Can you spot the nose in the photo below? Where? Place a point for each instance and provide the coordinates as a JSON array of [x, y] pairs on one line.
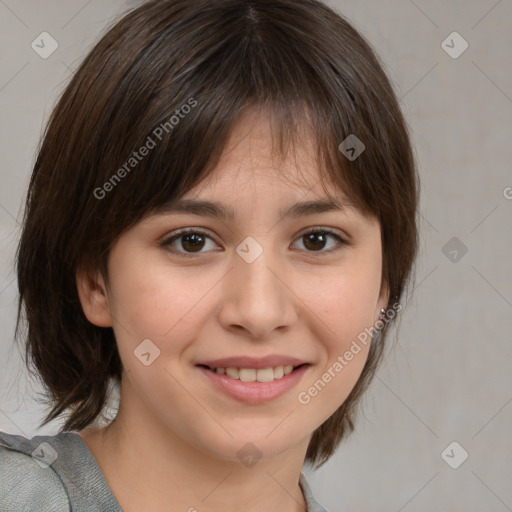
[[257, 299]]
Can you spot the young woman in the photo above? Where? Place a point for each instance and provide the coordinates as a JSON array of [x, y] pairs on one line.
[[221, 223]]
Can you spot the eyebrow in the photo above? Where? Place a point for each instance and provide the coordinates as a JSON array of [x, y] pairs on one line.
[[221, 211]]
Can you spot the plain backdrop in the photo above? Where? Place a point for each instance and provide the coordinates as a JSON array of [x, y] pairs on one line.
[[446, 388]]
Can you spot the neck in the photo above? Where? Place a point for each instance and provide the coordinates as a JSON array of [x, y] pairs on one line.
[[149, 467]]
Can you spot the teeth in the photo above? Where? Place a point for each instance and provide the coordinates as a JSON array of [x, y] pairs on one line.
[[232, 372], [265, 375], [252, 374], [248, 375], [279, 372]]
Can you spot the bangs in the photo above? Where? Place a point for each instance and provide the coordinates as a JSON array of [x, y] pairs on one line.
[[201, 83]]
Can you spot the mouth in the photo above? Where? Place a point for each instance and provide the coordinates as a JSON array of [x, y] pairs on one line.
[[255, 374], [253, 385]]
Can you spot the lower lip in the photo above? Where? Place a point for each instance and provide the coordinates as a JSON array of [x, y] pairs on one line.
[[254, 392]]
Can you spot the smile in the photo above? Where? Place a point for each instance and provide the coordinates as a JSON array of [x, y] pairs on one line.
[[255, 374], [253, 385]]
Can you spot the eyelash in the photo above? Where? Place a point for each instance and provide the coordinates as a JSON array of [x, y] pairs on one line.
[[189, 231]]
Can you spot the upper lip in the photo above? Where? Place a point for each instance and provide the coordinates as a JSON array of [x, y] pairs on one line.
[[270, 361]]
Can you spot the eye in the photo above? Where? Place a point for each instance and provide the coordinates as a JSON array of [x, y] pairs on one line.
[[193, 240], [316, 238]]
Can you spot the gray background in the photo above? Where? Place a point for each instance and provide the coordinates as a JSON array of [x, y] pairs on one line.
[[448, 378]]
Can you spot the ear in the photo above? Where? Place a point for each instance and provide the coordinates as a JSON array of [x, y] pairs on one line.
[[383, 299], [93, 297]]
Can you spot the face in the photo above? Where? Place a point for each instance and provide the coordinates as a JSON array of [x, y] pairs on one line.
[[263, 292]]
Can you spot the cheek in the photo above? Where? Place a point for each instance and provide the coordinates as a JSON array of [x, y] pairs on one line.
[[343, 305], [152, 300], [330, 386], [147, 296]]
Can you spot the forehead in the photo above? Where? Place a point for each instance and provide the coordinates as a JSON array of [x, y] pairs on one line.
[[257, 176], [251, 161]]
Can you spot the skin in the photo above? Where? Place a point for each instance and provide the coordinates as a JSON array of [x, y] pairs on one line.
[[175, 439]]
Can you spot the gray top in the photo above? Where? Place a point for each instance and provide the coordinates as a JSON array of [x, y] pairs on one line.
[[59, 474]]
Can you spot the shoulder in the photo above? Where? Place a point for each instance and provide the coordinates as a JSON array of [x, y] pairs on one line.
[[311, 502], [27, 479]]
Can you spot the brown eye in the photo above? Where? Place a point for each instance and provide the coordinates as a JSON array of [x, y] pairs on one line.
[[192, 242], [187, 242], [315, 240]]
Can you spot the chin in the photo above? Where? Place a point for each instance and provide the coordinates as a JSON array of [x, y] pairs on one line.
[[248, 446]]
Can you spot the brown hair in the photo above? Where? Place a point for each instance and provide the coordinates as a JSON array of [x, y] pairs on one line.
[[300, 61]]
